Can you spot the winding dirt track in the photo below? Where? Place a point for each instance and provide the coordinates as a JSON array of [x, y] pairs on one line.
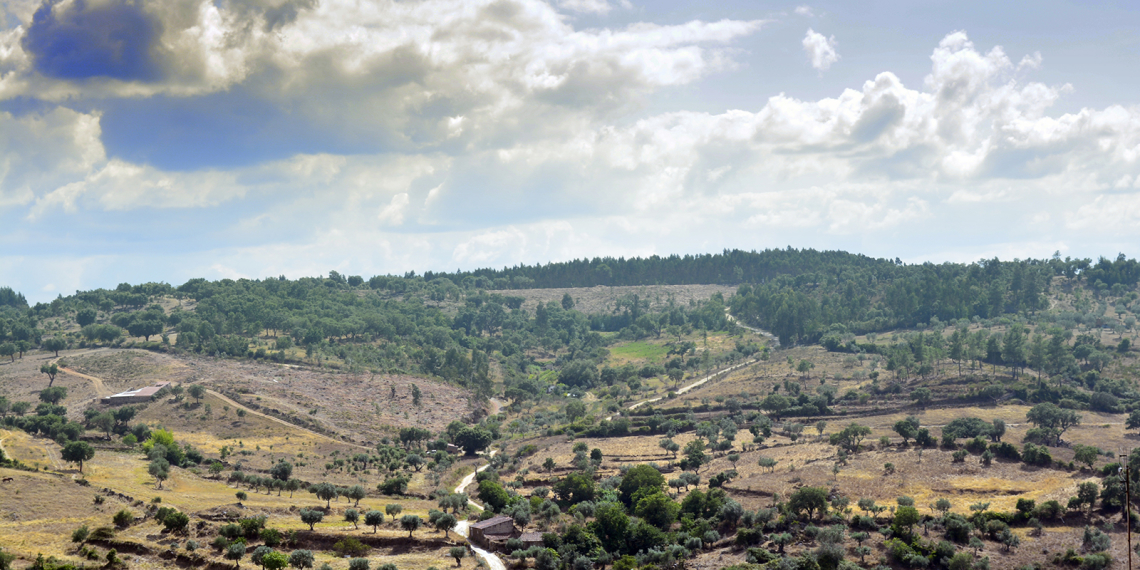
[[463, 527], [102, 390], [280, 421]]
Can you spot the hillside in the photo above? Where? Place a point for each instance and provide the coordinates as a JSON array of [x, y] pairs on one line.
[[637, 426]]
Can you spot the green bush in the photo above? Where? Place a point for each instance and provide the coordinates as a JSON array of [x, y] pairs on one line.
[[350, 547], [102, 533], [271, 537], [123, 518]]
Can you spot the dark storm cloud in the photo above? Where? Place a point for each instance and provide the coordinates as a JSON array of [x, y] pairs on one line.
[[286, 13], [114, 39]]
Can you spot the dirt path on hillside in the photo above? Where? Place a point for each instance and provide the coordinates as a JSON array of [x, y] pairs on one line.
[[696, 384], [100, 389], [771, 337], [280, 421]]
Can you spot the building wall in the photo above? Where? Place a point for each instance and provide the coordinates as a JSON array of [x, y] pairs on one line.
[[126, 400]]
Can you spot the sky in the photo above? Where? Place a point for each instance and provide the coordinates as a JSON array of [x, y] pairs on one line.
[[173, 139]]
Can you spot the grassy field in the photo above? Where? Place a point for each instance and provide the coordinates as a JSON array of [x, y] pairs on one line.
[[640, 351]]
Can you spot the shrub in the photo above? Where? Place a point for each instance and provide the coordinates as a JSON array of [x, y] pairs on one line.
[[350, 547], [1036, 455], [80, 534], [1095, 541], [957, 528], [1005, 450], [176, 521], [1049, 510], [230, 531], [123, 518], [251, 526], [103, 533], [1097, 561], [976, 445], [271, 537]]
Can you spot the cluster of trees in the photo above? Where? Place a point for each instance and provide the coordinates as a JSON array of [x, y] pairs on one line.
[[631, 521], [729, 267], [397, 327], [866, 295]]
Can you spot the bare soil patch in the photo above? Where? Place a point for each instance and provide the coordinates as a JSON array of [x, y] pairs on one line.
[[601, 299]]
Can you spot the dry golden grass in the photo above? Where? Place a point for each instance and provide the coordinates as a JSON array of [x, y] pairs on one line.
[[40, 510]]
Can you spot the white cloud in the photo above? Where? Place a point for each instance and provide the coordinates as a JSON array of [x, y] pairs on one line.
[[45, 150], [416, 74], [590, 6], [804, 11], [820, 50], [393, 213], [515, 161]]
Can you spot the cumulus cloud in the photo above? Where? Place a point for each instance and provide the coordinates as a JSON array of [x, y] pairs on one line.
[[79, 40], [393, 213], [820, 50], [40, 151], [804, 11], [379, 75], [590, 6], [509, 136]]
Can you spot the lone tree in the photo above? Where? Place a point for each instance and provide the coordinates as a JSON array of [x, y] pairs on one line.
[[374, 519], [301, 559], [445, 523], [159, 469], [54, 344], [311, 517], [457, 552], [810, 499], [356, 493], [1053, 419], [850, 437], [1133, 420], [326, 492], [77, 452], [282, 471], [410, 523], [235, 552], [196, 391], [922, 397], [352, 516]]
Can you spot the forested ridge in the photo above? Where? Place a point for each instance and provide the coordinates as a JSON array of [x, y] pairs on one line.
[[875, 297], [386, 324], [396, 323]]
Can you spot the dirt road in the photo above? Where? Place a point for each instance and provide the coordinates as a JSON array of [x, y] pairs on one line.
[[696, 384], [100, 389], [280, 421], [463, 527]]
